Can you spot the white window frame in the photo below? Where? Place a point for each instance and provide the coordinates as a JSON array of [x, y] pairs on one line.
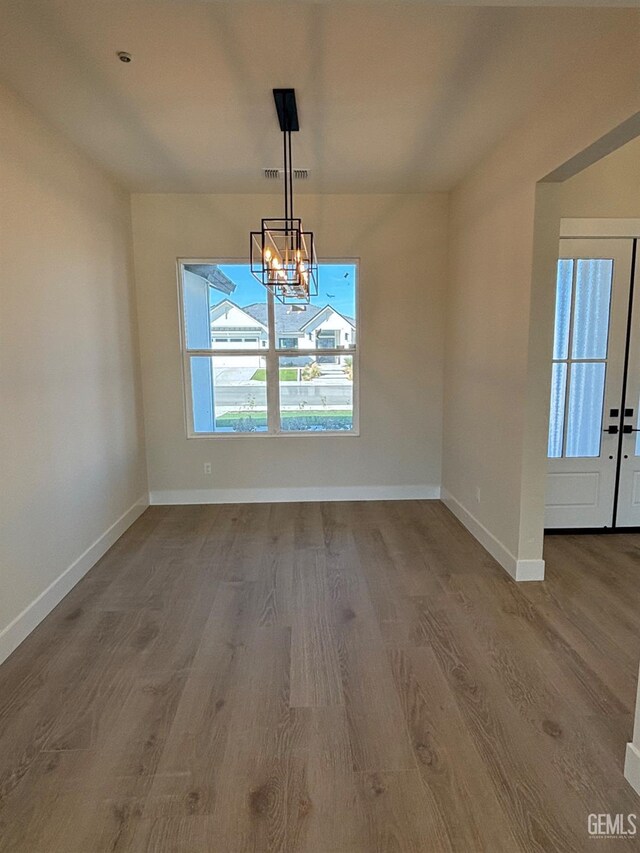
[[272, 356]]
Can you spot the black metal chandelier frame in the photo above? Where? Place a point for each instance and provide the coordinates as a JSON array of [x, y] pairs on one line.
[[282, 253]]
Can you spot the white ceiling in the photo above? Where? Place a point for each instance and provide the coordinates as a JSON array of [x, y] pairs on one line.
[[391, 96]]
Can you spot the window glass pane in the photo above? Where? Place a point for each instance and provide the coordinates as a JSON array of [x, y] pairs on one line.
[[288, 343], [330, 316], [556, 415], [591, 312], [224, 307], [563, 308], [584, 428], [316, 396], [229, 393]]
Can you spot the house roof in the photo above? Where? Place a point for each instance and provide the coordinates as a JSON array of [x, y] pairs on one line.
[[288, 319], [323, 313], [212, 274], [223, 307]]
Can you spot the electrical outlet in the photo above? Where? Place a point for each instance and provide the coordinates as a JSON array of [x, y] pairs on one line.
[[207, 467], [478, 494]]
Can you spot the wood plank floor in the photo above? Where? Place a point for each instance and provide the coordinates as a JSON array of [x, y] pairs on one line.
[[335, 678]]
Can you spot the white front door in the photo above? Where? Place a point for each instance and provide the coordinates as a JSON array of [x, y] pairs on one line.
[[628, 495], [587, 421]]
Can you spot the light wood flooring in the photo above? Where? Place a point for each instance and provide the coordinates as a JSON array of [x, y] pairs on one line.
[[329, 677]]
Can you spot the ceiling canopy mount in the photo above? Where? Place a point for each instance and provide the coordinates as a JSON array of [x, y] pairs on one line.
[[287, 109]]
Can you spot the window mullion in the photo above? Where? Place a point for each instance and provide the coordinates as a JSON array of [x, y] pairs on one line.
[[318, 351], [273, 384], [209, 353]]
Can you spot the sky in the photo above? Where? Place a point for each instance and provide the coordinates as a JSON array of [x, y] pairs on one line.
[[333, 287]]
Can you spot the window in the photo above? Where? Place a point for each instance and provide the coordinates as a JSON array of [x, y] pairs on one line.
[[288, 343], [255, 366]]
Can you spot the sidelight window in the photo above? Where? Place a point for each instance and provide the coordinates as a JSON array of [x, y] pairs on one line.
[[580, 350]]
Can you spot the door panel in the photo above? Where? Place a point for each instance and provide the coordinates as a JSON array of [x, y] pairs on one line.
[[592, 301], [577, 488]]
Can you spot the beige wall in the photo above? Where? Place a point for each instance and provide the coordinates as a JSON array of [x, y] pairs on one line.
[[71, 429], [609, 188], [498, 333], [401, 243]]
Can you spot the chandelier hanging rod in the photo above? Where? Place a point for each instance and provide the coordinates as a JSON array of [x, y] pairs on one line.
[[287, 110], [287, 171]]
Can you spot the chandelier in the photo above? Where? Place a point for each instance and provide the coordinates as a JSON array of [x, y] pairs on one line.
[[283, 256]]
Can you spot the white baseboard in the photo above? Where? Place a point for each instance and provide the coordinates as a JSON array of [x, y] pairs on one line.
[[520, 570], [632, 767], [294, 495], [529, 570], [19, 628]]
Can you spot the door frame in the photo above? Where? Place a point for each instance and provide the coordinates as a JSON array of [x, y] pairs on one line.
[[599, 228]]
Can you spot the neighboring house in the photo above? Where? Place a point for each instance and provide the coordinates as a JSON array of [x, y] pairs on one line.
[[233, 328], [299, 327]]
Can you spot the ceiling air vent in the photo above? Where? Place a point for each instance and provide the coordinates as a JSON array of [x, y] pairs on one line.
[[277, 174]]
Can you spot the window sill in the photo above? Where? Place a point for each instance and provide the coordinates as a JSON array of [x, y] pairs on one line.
[[255, 435]]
